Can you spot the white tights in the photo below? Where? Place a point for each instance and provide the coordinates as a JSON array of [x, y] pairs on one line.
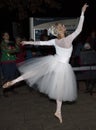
[[20, 78], [58, 107]]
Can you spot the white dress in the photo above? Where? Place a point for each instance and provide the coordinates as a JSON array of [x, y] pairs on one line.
[[53, 74]]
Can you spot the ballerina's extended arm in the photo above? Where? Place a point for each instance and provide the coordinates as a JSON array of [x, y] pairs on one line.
[[46, 43], [78, 30], [81, 21]]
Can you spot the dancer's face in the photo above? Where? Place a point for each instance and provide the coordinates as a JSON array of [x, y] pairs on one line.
[[60, 28]]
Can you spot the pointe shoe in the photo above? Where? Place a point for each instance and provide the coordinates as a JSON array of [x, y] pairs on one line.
[[8, 84], [58, 115]]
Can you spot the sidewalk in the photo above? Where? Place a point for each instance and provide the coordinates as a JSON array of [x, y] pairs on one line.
[[30, 110]]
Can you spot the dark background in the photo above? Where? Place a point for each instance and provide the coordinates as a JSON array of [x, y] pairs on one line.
[[64, 8]]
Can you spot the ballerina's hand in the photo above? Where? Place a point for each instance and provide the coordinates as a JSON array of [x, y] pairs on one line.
[[85, 7]]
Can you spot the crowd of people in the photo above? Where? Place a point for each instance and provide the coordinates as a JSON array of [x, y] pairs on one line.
[[83, 44]]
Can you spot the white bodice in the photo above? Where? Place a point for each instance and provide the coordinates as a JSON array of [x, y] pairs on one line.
[[63, 54], [63, 46]]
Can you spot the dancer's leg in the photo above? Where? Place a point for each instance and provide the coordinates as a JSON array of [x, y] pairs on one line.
[[58, 110], [20, 78], [10, 83]]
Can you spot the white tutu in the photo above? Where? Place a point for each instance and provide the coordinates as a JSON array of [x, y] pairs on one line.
[[53, 74], [54, 78]]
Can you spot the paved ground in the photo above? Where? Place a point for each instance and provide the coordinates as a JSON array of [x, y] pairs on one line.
[[30, 110]]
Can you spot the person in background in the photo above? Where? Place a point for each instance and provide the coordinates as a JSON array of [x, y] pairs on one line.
[[32, 51], [91, 39], [8, 58], [29, 52], [86, 47], [44, 36], [20, 55], [78, 46]]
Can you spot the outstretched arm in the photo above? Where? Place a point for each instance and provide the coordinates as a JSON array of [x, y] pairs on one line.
[[46, 43], [80, 25]]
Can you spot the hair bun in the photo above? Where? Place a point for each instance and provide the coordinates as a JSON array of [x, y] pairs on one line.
[[52, 30]]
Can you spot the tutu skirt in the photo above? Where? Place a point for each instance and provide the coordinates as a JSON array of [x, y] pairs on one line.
[[54, 78]]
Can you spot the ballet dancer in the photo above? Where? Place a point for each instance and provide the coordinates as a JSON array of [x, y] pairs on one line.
[[53, 73]]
